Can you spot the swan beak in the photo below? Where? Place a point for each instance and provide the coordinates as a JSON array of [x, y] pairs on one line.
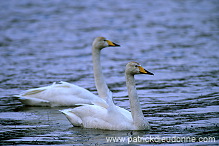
[[112, 44], [144, 71]]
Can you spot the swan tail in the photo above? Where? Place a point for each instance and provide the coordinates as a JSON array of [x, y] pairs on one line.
[[32, 92], [73, 118], [34, 101]]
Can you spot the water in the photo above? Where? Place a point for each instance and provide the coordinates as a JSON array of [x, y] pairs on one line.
[[46, 41]]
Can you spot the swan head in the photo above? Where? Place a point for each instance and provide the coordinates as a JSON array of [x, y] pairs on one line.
[[102, 42], [136, 68]]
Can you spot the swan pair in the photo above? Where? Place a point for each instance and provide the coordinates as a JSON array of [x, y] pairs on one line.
[[95, 112]]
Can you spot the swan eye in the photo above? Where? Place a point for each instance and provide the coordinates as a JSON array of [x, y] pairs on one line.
[[136, 65]]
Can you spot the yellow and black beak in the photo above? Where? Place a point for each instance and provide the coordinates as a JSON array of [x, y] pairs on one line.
[[112, 44], [144, 71]]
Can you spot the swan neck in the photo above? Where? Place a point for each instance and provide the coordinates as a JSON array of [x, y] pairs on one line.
[[136, 110], [100, 83]]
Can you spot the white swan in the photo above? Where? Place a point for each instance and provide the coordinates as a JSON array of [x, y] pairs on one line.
[[66, 94], [94, 116], [102, 88]]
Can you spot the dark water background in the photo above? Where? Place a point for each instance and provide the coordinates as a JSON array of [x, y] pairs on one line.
[[46, 41]]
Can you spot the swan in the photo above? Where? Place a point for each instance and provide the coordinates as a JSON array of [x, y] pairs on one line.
[[66, 94], [98, 117]]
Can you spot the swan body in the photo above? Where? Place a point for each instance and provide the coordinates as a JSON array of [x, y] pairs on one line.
[[113, 117], [61, 94], [66, 94]]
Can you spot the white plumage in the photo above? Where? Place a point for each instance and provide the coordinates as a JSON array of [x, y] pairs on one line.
[[60, 94], [113, 117]]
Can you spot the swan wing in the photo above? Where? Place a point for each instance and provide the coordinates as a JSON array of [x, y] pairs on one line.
[[88, 116]]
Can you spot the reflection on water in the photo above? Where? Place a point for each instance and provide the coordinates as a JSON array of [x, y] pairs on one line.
[[46, 41]]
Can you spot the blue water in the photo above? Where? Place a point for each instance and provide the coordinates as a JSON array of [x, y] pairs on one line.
[[46, 41]]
